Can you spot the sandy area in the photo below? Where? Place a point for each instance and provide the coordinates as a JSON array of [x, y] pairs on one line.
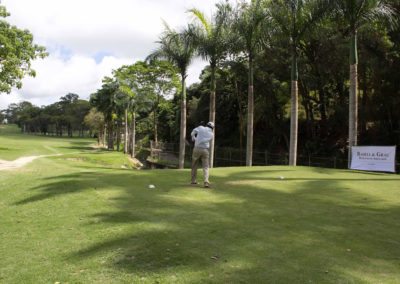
[[20, 162]]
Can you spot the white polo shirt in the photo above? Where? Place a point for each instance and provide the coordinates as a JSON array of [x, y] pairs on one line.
[[203, 137]]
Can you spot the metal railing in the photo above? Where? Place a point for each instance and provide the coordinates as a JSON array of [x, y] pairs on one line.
[[168, 153]]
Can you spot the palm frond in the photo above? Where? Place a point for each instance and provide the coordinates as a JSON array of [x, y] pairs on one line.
[[202, 19]]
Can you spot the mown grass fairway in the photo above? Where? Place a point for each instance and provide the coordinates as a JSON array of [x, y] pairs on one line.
[[81, 218]]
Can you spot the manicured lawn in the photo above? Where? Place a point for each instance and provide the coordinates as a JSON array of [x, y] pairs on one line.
[[14, 144], [81, 218]]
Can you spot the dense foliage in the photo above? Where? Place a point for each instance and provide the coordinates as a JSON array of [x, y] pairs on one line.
[[323, 83], [64, 117], [17, 50], [264, 58]]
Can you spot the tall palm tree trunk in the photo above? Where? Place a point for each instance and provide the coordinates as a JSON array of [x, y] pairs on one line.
[[294, 112], [126, 132], [105, 133], [156, 120], [182, 139], [133, 134], [353, 100], [293, 124], [250, 116], [110, 133], [118, 135], [212, 111], [155, 127]]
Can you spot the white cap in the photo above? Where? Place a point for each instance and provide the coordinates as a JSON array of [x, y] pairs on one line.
[[210, 124]]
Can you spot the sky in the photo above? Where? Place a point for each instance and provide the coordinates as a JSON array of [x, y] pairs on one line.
[[87, 39]]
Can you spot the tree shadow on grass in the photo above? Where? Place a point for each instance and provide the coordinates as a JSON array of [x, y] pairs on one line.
[[80, 148], [240, 231]]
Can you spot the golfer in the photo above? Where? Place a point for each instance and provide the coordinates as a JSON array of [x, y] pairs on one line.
[[202, 136]]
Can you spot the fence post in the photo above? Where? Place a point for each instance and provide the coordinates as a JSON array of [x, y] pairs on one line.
[[309, 160], [334, 162], [266, 157]]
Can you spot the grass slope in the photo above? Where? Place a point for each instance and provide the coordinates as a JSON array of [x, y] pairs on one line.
[[81, 218], [14, 144]]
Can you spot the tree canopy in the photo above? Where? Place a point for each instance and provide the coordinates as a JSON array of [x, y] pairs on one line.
[[17, 50], [281, 61]]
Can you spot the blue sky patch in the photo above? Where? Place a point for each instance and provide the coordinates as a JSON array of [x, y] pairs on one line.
[[100, 55]]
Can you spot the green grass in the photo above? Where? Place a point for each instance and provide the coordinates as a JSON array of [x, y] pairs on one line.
[[81, 218], [13, 144]]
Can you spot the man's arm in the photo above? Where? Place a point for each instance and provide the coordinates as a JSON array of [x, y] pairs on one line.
[[194, 134]]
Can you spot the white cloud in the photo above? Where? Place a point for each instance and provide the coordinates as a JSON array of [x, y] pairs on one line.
[[87, 39]]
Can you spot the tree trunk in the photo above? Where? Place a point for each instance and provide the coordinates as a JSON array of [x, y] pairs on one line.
[[250, 116], [105, 133], [353, 104], [126, 132], [182, 139], [293, 110], [118, 135], [156, 119], [133, 134], [212, 111], [101, 134], [353, 113], [155, 126], [293, 124], [110, 142]]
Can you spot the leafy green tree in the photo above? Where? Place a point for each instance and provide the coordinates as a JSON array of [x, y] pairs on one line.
[[66, 108], [163, 81], [17, 50], [154, 82], [94, 120], [11, 113], [56, 120], [2, 117], [21, 114], [178, 48], [79, 110], [105, 100], [146, 87]]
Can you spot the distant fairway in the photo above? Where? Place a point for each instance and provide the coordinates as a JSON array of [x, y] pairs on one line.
[[83, 218]]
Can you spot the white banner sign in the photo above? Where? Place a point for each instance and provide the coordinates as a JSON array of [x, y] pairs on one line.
[[373, 158]]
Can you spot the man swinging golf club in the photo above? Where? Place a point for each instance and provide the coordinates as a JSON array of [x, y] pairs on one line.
[[202, 136]]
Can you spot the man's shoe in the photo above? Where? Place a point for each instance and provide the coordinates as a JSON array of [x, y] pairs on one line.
[[194, 182], [206, 184]]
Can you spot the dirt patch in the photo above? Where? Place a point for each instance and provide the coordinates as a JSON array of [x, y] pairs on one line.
[[20, 162], [135, 163]]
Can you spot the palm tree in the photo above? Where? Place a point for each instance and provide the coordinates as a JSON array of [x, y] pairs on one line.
[[357, 13], [294, 18], [132, 99], [212, 44], [178, 48], [247, 24], [105, 100]]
